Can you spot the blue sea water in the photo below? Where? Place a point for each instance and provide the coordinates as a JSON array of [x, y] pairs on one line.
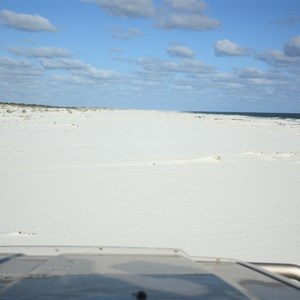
[[253, 114]]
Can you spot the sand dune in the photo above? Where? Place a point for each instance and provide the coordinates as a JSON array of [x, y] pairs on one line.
[[224, 186]]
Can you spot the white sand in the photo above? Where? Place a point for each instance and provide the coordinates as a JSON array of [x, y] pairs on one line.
[[222, 186]]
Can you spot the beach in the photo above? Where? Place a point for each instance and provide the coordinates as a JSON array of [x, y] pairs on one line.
[[212, 185]]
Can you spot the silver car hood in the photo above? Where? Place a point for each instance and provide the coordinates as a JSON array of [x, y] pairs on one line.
[[132, 273]]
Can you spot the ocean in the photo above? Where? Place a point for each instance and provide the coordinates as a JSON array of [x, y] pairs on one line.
[[252, 114]]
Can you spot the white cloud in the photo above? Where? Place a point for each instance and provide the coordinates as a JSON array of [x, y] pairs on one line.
[[278, 59], [187, 22], [167, 14], [79, 68], [95, 73], [228, 48], [250, 73], [119, 33], [255, 77], [67, 64], [72, 79], [188, 14], [41, 52], [187, 6], [185, 66], [289, 59], [8, 62], [292, 48], [180, 51], [13, 71], [25, 22], [128, 8]]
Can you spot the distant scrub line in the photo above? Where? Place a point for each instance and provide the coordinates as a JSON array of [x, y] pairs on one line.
[[35, 105], [31, 105]]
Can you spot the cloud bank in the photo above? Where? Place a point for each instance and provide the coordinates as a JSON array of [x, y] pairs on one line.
[[185, 66], [167, 14], [40, 52]]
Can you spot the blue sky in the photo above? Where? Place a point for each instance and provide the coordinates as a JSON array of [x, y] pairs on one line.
[[217, 55]]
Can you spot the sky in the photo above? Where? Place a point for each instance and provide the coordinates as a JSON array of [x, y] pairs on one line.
[[184, 55]]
